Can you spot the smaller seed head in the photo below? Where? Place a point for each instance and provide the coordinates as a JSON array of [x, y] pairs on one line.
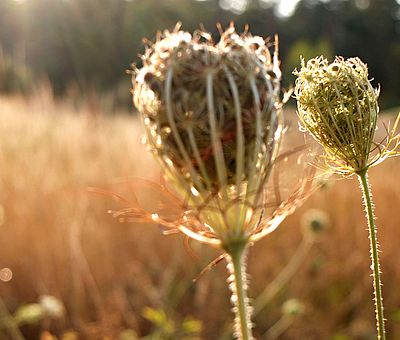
[[314, 221], [337, 104], [292, 308]]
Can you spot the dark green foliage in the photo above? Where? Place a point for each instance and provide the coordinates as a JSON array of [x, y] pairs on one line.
[[90, 43], [14, 76]]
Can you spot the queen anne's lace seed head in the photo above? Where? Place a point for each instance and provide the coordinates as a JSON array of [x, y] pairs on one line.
[[212, 116], [337, 104]]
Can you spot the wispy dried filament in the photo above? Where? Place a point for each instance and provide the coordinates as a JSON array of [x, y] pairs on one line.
[[213, 121]]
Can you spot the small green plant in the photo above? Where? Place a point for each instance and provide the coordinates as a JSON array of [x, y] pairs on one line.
[[48, 307], [291, 309], [338, 106], [167, 329], [314, 221], [14, 77]]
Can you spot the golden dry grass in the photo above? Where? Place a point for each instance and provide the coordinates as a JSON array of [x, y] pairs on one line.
[[57, 239]]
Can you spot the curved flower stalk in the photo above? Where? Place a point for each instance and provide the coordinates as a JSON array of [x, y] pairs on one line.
[[338, 106], [213, 120]]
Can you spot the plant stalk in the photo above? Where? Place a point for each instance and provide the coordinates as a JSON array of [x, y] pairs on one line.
[[369, 209], [284, 276], [238, 285], [9, 322]]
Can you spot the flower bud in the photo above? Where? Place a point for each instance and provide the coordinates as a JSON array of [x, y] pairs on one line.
[[339, 107], [314, 222], [292, 307]]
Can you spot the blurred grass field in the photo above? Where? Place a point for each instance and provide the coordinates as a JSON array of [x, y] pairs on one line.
[[116, 280]]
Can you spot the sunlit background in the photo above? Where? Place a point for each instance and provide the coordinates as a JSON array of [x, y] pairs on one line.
[[87, 45], [68, 270]]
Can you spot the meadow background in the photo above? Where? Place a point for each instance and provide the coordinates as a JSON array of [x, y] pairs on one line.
[[71, 271]]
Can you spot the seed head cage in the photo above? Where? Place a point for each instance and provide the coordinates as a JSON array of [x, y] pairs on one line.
[[339, 107], [213, 120]]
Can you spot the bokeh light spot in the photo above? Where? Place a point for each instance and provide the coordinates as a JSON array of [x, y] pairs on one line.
[[6, 274]]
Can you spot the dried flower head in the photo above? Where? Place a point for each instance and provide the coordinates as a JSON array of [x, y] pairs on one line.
[[339, 107], [212, 113]]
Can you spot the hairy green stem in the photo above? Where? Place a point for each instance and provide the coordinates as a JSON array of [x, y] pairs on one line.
[[369, 208], [238, 285]]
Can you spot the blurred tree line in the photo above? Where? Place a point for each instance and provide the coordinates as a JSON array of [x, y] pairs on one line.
[[87, 44]]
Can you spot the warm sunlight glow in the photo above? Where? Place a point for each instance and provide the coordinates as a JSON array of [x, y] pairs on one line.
[[286, 7]]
